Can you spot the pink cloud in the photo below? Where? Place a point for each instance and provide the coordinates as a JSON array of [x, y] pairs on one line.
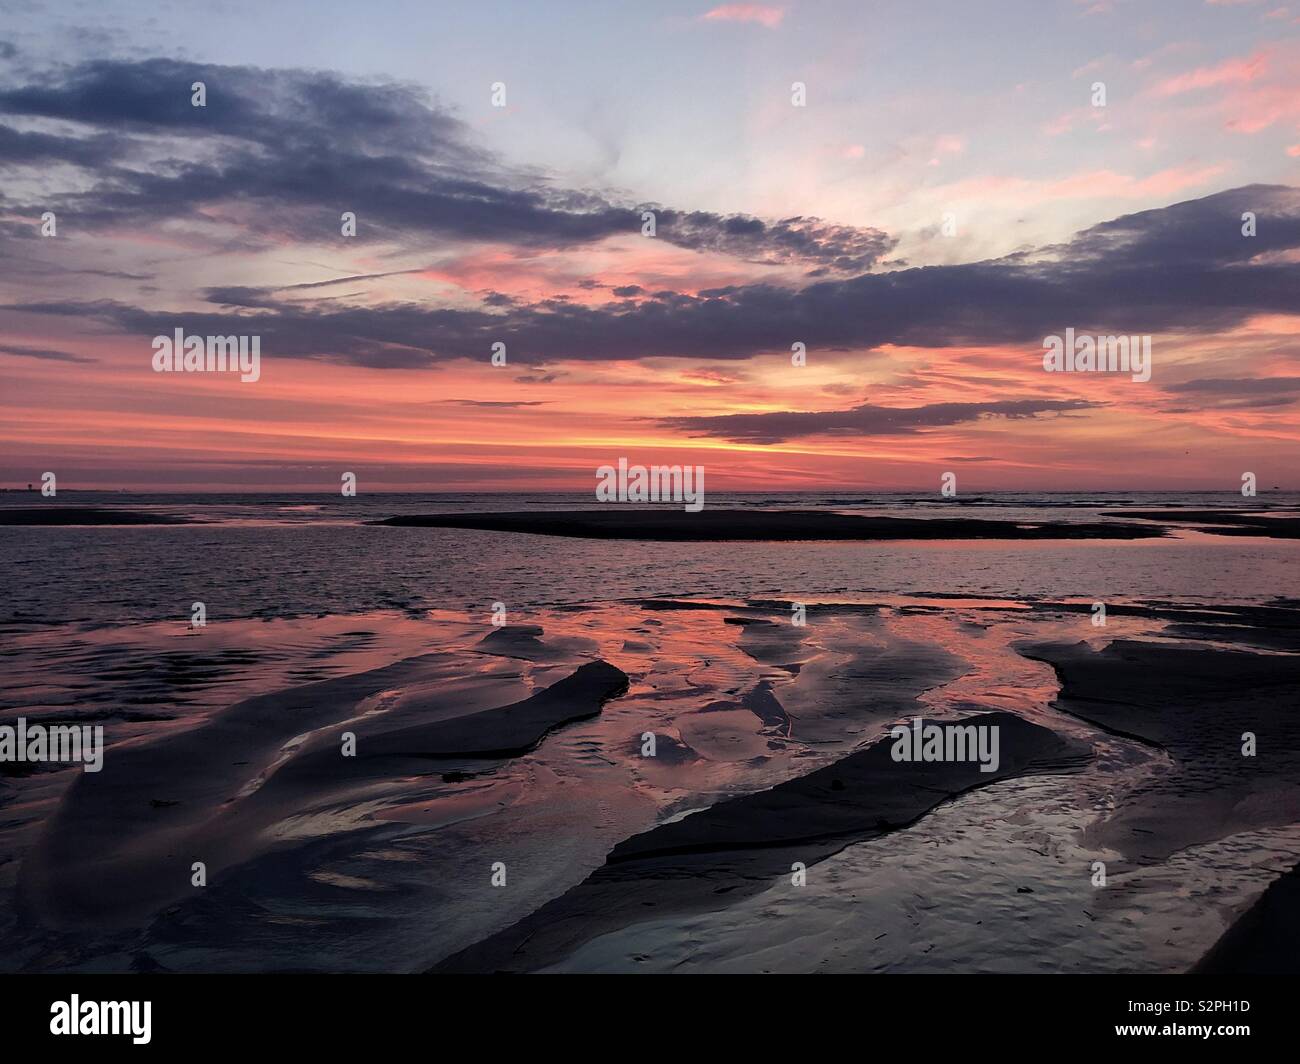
[[1092, 184], [947, 144], [766, 16], [1254, 92], [1255, 110], [1229, 72], [1063, 123]]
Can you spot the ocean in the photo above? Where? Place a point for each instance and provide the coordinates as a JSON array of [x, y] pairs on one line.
[[286, 555]]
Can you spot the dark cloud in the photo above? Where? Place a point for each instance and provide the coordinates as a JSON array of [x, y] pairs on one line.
[[18, 147], [829, 248], [496, 403], [305, 146], [299, 147], [864, 420], [1236, 393], [1238, 385], [45, 353], [1130, 276], [1126, 288], [346, 280], [1205, 231]]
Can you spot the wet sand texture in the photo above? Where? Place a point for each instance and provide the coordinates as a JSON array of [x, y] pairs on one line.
[[1266, 940], [747, 844], [122, 841], [1196, 703], [506, 731]]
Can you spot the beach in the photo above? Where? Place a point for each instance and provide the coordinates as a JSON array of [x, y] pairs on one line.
[[702, 489], [623, 777]]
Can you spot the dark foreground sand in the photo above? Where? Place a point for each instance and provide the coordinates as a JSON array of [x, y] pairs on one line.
[[1199, 704], [1266, 940], [83, 515], [114, 849], [1222, 522], [747, 844], [522, 746], [712, 525]]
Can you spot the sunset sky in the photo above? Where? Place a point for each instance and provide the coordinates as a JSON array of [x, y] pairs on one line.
[[776, 224]]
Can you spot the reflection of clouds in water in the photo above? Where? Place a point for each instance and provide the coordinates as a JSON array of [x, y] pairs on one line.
[[946, 899], [554, 813], [273, 571]]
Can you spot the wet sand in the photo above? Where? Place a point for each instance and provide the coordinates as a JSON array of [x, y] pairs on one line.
[[1198, 704], [111, 851], [713, 858], [522, 746], [667, 525], [84, 515], [1266, 940], [1223, 522]]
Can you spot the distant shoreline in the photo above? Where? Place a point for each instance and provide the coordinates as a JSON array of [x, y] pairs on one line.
[[766, 525], [740, 525]]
